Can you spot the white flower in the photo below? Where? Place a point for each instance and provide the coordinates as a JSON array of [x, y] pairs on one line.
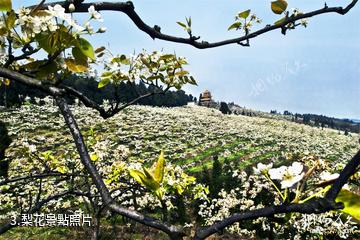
[[94, 14], [32, 148], [262, 168], [288, 175], [89, 28], [57, 11], [326, 176]]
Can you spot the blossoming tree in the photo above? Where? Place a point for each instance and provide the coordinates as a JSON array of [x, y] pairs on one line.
[[51, 29]]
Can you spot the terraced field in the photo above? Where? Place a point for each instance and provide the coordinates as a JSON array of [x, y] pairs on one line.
[[190, 136]]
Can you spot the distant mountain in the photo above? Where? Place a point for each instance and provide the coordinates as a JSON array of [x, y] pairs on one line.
[[355, 120]]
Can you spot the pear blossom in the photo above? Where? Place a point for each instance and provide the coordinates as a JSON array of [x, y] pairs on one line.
[[102, 30], [57, 11], [94, 14], [262, 168], [326, 176], [288, 175]]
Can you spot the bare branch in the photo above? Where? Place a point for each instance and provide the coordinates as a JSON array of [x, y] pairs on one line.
[[111, 112], [320, 205], [39, 176]]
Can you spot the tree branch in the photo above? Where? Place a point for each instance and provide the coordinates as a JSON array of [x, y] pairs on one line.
[[319, 205], [18, 77], [154, 32], [38, 176], [349, 170], [111, 112], [172, 231]]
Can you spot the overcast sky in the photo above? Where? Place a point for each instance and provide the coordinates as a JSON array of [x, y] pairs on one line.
[[310, 70]]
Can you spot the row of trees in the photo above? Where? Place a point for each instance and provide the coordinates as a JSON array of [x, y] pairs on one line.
[[323, 121], [15, 93]]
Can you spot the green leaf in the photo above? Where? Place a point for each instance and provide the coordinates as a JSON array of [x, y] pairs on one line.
[[78, 55], [122, 59], [62, 169], [55, 41], [235, 25], [45, 71], [86, 48], [103, 82], [3, 31], [10, 20], [192, 81], [179, 189], [167, 57], [182, 24], [145, 179], [151, 78], [351, 202], [77, 66], [244, 14], [43, 41], [181, 73], [280, 21], [279, 6], [5, 5], [159, 168]]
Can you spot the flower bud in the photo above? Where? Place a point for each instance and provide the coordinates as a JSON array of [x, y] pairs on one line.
[[102, 30], [71, 7]]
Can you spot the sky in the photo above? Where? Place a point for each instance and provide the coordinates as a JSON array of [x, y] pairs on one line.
[[310, 70]]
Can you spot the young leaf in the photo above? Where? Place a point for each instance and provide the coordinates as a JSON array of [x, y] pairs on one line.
[[137, 175], [5, 5], [188, 20], [279, 6], [149, 181], [100, 49], [351, 202], [235, 25], [76, 66], [94, 157], [182, 24], [103, 82], [159, 168], [86, 48], [244, 14]]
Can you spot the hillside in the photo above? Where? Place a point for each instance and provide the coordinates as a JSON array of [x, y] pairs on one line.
[[192, 138], [189, 135]]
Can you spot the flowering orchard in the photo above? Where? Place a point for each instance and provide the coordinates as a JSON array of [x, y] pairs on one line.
[[151, 165], [116, 147]]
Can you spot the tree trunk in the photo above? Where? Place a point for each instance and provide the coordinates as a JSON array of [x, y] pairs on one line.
[[95, 230]]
